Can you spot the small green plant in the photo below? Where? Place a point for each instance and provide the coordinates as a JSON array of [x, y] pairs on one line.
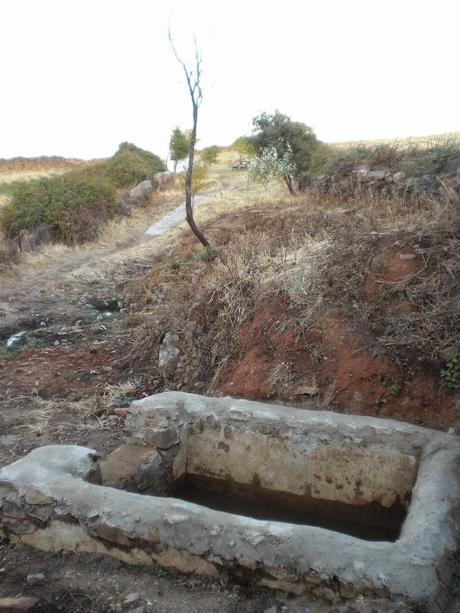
[[395, 390], [450, 374], [159, 571], [122, 401], [380, 402], [31, 343], [207, 254]]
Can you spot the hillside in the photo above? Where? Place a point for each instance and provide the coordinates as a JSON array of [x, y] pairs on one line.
[[314, 301]]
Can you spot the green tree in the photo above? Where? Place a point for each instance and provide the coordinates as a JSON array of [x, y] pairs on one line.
[[268, 166], [208, 155], [293, 143], [179, 144], [244, 146], [200, 180]]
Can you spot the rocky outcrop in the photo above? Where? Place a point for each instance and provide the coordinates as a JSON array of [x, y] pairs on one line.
[[141, 193], [169, 353], [387, 183]]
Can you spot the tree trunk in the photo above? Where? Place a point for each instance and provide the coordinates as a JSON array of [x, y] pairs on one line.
[[188, 182], [288, 181]]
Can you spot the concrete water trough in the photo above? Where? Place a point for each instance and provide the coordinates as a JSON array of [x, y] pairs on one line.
[[295, 500]]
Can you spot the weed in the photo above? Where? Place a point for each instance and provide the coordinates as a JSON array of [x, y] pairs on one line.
[[450, 374], [395, 390], [159, 571], [380, 402], [122, 401], [31, 343], [207, 254]]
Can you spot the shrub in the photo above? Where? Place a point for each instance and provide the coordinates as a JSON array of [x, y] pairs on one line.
[[208, 155], [414, 158], [292, 142], [74, 205], [130, 165], [70, 204]]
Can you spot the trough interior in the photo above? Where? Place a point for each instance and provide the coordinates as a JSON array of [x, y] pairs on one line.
[[371, 522], [301, 477]]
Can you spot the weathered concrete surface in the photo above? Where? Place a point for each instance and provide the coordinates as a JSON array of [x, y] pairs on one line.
[[47, 501], [170, 220]]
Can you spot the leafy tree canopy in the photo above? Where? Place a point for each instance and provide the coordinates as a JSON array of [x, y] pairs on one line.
[[179, 144], [208, 155], [244, 145], [293, 142]]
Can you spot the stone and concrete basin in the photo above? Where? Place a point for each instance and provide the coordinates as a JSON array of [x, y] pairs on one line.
[[298, 500]]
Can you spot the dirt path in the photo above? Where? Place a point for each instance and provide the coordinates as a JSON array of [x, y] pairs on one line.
[[177, 215]]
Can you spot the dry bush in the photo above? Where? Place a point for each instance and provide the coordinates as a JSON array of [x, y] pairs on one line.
[[114, 396]]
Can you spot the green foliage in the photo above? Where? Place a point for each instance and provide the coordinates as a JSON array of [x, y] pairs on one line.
[[130, 165], [207, 254], [31, 343], [289, 139], [59, 203], [450, 374], [74, 205], [244, 146], [122, 401], [414, 158], [179, 145], [159, 571], [200, 181], [208, 155], [269, 165]]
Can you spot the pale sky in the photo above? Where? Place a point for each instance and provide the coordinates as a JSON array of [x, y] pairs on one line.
[[80, 76]]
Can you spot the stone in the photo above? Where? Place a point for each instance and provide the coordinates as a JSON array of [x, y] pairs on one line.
[[306, 390], [121, 412], [162, 438], [140, 193], [122, 467], [19, 527], [16, 340], [449, 353], [34, 579], [376, 175], [272, 609], [168, 356], [17, 605], [35, 497], [398, 177], [11, 510], [347, 590], [327, 594], [131, 599]]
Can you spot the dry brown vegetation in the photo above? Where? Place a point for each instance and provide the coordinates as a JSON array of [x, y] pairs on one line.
[[385, 270]]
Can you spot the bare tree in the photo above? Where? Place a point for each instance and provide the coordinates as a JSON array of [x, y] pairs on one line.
[[193, 79]]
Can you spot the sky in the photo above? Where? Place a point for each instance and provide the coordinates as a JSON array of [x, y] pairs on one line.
[[81, 76]]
